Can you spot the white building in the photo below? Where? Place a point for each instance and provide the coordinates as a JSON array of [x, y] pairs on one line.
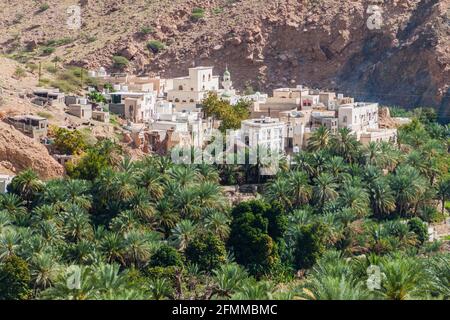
[[358, 116], [265, 132], [5, 180], [188, 91], [134, 106]]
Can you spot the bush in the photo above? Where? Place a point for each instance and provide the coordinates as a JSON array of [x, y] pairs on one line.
[[147, 30], [155, 46], [46, 51], [419, 228], [166, 256], [207, 251], [197, 14], [310, 245], [120, 62], [43, 7], [14, 279], [19, 72], [70, 142]]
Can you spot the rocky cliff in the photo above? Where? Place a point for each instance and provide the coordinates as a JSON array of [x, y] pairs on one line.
[[19, 152], [404, 60]]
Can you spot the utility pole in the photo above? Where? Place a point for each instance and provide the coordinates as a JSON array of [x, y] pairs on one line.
[[81, 76], [40, 73]]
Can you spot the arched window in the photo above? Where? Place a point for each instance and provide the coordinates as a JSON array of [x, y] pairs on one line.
[[209, 77], [204, 78], [192, 100], [177, 100]]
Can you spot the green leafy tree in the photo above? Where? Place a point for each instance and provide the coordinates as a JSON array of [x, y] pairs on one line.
[[310, 244], [207, 251], [14, 279]]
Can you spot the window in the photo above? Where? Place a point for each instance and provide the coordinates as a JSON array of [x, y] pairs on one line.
[[180, 88], [204, 78], [345, 119], [192, 100], [209, 77], [177, 100]]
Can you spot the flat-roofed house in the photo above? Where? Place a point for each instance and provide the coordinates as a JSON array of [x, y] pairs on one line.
[[33, 126]]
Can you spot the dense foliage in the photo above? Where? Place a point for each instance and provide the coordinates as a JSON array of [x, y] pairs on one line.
[[345, 221]]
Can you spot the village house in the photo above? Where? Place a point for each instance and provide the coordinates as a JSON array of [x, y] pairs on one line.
[[82, 110], [137, 107], [48, 97], [101, 116], [6, 177], [264, 132], [189, 91], [33, 126]]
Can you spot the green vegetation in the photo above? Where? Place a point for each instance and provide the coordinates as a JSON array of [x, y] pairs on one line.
[[197, 14], [96, 97], [219, 109], [20, 72], [341, 214], [43, 7], [72, 80], [120, 62], [155, 46], [147, 30], [69, 141], [44, 114]]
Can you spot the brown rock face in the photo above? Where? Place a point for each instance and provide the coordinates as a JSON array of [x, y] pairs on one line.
[[23, 152], [329, 44]]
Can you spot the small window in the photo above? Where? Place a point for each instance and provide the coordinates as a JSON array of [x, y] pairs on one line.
[[180, 88], [345, 119]]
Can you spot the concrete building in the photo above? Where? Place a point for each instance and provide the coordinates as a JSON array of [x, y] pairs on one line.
[[51, 96], [358, 116], [189, 91], [101, 116], [134, 106], [266, 132], [6, 177], [82, 111], [34, 126]]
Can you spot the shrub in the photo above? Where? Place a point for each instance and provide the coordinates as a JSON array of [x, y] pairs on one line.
[[166, 256], [419, 228], [147, 30], [120, 62], [51, 69], [43, 7], [46, 51], [155, 46], [14, 279], [207, 251], [310, 245], [19, 72], [44, 114], [197, 14], [69, 142]]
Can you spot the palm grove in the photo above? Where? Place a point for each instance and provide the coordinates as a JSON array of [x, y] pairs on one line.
[[151, 229]]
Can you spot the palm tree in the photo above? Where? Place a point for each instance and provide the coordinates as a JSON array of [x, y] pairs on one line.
[[320, 139], [9, 243], [207, 172], [437, 269], [381, 197], [335, 288], [160, 289], [300, 189], [184, 175], [137, 249], [355, 198], [324, 189], [187, 202], [443, 190], [228, 279], [151, 180], [372, 152], [44, 270], [14, 206], [402, 278], [183, 233], [209, 195], [77, 224], [407, 184], [280, 190], [26, 185], [345, 144], [218, 223], [112, 246], [165, 217], [141, 206], [77, 193]]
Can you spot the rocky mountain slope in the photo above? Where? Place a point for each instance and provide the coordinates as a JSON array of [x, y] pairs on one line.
[[265, 44]]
